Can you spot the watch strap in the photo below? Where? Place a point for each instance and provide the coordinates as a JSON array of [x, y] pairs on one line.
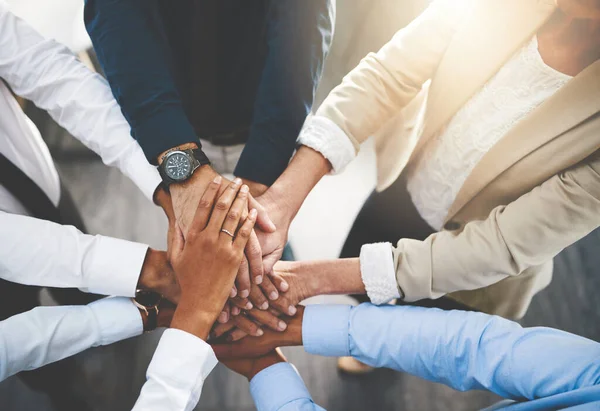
[[152, 319]]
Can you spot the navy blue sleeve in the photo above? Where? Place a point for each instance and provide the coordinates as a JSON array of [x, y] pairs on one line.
[[131, 45], [299, 36]]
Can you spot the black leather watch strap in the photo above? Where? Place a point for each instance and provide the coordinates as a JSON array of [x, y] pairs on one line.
[[152, 320]]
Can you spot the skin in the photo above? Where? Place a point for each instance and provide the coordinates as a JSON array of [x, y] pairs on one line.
[[207, 260]]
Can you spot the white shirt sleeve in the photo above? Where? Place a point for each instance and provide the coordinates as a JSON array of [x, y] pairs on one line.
[[38, 252], [81, 101], [176, 373], [47, 334]]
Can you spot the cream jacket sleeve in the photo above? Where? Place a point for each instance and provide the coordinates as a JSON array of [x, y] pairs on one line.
[[525, 233], [382, 84]]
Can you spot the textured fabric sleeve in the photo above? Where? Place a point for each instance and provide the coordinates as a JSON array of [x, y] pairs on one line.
[[38, 252], [176, 373], [48, 74], [280, 388], [464, 350], [48, 334], [378, 274], [525, 233], [299, 35]]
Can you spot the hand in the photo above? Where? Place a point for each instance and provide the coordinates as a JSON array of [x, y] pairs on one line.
[[158, 275], [249, 367], [207, 261], [251, 347]]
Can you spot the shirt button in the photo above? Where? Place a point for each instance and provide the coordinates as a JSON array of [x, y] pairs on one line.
[[452, 226]]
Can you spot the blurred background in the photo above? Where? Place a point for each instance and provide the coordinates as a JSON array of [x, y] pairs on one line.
[[111, 377]]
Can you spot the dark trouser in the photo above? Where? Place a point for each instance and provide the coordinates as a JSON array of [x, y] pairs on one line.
[[53, 379], [387, 217]]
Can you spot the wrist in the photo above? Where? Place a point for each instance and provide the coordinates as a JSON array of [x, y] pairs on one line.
[[194, 320], [330, 277], [151, 278]]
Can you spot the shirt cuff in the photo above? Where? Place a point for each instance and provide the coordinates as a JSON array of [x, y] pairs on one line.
[[276, 386], [325, 330], [144, 175], [378, 273], [323, 135], [118, 319], [115, 267], [184, 360]]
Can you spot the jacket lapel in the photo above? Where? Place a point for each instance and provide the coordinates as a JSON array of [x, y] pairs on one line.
[[571, 105], [497, 29]]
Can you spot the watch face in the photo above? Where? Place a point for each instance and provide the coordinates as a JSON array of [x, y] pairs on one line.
[[178, 166], [148, 299]]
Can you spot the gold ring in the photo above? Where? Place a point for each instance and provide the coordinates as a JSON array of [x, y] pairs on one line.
[[229, 233]]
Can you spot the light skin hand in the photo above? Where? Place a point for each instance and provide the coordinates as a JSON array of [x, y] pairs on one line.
[[206, 262]]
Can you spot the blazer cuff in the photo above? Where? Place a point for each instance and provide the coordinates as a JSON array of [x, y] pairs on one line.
[[323, 135], [378, 273]]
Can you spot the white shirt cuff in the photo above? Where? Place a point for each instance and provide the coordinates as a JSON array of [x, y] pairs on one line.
[[378, 273], [118, 318], [323, 135], [184, 361], [115, 266], [144, 175]]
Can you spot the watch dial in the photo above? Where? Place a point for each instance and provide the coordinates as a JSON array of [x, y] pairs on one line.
[[178, 166]]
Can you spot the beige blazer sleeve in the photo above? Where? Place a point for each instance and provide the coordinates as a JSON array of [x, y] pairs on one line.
[[385, 82], [526, 233]]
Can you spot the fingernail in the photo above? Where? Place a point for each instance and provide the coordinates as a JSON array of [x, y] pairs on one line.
[[284, 286], [218, 180], [281, 326], [249, 306], [292, 310], [264, 306], [253, 213], [245, 189], [244, 293], [274, 295], [222, 317], [233, 292], [235, 311], [237, 181], [258, 279], [259, 333]]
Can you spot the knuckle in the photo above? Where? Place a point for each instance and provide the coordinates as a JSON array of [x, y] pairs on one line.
[[205, 203], [222, 205], [244, 233], [233, 215]]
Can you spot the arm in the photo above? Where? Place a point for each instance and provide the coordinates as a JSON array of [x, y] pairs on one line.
[[527, 232], [48, 74], [463, 350], [48, 334], [299, 35], [38, 252], [205, 263]]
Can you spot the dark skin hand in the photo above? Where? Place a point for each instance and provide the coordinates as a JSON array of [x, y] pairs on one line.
[[249, 367]]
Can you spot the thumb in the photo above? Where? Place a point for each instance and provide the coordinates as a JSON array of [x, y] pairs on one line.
[[263, 221], [178, 241]]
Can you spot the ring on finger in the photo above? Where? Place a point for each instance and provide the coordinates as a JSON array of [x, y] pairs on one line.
[[229, 233]]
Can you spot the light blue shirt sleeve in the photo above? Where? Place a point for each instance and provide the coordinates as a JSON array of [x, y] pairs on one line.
[[280, 388], [464, 350]]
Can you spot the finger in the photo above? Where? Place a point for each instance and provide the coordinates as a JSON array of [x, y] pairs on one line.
[[222, 206], [205, 205], [284, 305], [257, 298], [268, 319], [235, 310], [237, 335], [245, 231], [224, 316], [269, 289], [222, 329], [263, 221], [233, 292], [248, 326], [242, 281], [241, 303], [254, 255], [280, 283], [232, 221]]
